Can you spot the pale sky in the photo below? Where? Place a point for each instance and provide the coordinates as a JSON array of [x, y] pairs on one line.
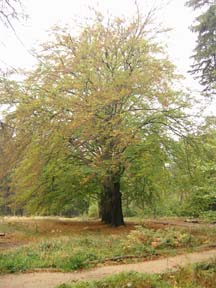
[[45, 13]]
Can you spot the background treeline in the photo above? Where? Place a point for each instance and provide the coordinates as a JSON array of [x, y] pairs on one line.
[[164, 177]]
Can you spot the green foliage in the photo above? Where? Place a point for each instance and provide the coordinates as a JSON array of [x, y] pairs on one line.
[[209, 216], [191, 176], [93, 211], [145, 181], [198, 203]]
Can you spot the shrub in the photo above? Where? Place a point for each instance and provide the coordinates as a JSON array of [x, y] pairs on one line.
[[144, 239], [93, 211]]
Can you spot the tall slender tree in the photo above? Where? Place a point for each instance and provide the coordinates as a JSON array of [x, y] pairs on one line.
[[204, 67]]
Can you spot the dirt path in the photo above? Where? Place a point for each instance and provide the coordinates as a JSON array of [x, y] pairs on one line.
[[178, 222], [52, 279]]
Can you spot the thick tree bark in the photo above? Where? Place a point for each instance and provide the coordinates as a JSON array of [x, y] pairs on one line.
[[111, 202], [105, 204]]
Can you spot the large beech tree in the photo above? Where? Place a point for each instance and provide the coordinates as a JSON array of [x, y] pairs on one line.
[[103, 93]]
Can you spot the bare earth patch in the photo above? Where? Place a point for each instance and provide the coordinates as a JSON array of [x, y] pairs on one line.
[[52, 279], [39, 227], [24, 230]]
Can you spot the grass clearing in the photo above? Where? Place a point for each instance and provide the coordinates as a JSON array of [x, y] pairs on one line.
[[68, 245], [63, 253]]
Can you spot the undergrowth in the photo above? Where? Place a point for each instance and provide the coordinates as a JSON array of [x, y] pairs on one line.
[[69, 253], [142, 239]]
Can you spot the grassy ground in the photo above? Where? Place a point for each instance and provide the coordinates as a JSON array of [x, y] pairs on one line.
[[199, 276], [68, 245]]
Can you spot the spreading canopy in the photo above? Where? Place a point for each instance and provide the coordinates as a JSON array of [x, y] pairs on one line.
[[96, 96]]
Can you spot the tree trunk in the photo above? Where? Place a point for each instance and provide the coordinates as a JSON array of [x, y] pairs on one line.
[[105, 205], [111, 202]]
